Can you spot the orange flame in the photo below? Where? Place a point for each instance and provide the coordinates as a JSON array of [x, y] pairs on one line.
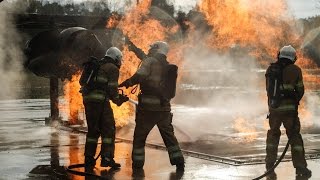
[[246, 128], [75, 104], [142, 31], [261, 26], [113, 21], [73, 98], [134, 27]]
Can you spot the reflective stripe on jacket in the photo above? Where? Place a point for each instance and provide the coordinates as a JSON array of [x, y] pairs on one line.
[[105, 84], [293, 85], [149, 76]]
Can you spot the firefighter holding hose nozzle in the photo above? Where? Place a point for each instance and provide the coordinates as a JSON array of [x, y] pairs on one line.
[[99, 84], [284, 85], [157, 79]]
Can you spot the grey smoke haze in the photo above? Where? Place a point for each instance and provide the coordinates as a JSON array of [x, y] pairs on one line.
[[11, 54], [234, 88]]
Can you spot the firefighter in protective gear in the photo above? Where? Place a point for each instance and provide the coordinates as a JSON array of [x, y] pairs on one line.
[[98, 111], [287, 113], [152, 108]]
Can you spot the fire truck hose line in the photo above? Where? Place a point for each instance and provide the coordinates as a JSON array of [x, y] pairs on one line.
[[279, 160], [276, 164], [71, 170]]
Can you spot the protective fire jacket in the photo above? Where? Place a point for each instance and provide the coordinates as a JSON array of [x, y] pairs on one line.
[[293, 87], [105, 85], [149, 76]]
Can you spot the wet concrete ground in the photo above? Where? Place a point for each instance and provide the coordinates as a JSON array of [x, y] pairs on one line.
[[31, 150]]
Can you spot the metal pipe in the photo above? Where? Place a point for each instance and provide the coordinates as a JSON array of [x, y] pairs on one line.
[[54, 95]]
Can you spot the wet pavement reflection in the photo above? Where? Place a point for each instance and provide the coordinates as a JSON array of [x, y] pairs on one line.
[[30, 150]]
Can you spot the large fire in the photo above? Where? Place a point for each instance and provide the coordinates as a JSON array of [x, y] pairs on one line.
[[142, 30], [74, 104], [260, 27]]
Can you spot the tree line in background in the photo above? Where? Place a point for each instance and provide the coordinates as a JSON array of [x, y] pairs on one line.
[[106, 7], [311, 23], [87, 7], [68, 7]]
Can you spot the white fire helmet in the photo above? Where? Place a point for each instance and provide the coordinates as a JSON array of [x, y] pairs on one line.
[[161, 47], [115, 54], [288, 52]]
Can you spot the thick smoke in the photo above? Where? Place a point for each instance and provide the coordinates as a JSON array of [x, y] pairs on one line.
[[310, 115], [221, 88], [11, 54], [226, 89]]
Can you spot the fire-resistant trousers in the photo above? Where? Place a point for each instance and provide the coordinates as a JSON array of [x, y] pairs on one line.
[[145, 121], [100, 122], [291, 123]]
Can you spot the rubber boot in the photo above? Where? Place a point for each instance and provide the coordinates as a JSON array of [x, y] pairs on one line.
[[107, 162], [305, 172], [180, 167], [272, 175], [138, 173], [89, 162]]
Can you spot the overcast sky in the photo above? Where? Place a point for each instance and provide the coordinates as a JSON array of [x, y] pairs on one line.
[[299, 8], [304, 8]]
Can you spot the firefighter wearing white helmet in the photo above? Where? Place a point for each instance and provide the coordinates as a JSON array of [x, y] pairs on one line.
[[159, 47], [154, 107], [115, 54], [99, 114], [291, 91], [288, 52]]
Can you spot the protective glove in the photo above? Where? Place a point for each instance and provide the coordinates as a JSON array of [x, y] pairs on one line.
[[125, 84], [121, 100], [123, 97]]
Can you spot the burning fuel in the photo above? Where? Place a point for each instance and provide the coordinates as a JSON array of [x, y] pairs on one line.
[[74, 98], [231, 37], [222, 48]]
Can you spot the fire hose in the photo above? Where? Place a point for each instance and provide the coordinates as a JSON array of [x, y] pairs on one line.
[[71, 168], [280, 158], [276, 164]]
